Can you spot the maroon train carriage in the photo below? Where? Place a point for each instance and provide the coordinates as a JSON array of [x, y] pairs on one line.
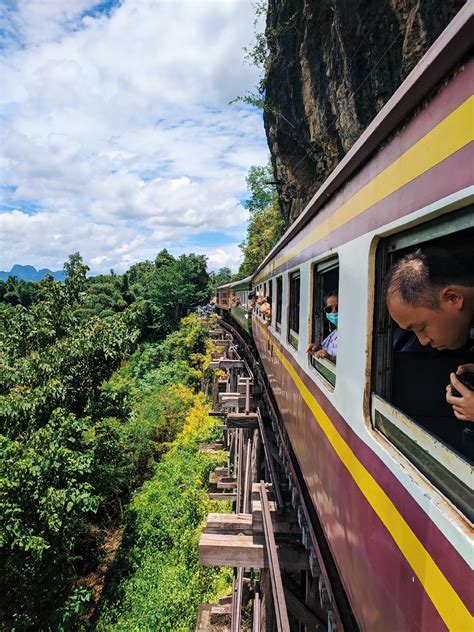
[[224, 298], [385, 465]]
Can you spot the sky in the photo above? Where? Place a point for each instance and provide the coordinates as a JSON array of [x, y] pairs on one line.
[[117, 138]]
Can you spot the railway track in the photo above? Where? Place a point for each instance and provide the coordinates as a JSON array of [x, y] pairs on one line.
[[284, 573]]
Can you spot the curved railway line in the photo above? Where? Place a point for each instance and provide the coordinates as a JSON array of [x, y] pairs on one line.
[[268, 489]]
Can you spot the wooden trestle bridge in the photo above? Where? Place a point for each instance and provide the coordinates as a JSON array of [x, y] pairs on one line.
[[284, 579]]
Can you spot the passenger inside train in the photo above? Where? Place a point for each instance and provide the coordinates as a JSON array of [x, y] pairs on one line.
[[425, 350], [431, 293], [322, 348], [328, 347], [266, 310]]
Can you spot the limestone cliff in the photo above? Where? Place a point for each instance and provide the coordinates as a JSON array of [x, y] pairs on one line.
[[332, 65]]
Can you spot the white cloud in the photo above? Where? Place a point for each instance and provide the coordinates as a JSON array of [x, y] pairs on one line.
[[117, 127], [228, 256]]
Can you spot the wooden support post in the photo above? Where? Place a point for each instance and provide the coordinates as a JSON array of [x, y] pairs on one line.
[[237, 587], [247, 480], [256, 613], [311, 597], [302, 613]]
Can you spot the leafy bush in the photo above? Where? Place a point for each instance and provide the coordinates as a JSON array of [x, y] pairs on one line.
[[77, 439], [165, 584]]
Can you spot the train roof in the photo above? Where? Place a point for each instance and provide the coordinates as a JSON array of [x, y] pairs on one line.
[[241, 284], [448, 50]]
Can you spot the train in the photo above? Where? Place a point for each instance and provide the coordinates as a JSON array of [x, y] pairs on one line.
[[385, 463]]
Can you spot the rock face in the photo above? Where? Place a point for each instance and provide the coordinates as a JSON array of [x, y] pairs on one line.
[[333, 64]]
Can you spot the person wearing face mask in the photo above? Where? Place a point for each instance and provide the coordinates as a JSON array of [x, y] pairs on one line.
[[328, 347]]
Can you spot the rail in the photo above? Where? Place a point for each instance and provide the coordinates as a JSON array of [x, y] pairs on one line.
[[281, 614], [247, 426]]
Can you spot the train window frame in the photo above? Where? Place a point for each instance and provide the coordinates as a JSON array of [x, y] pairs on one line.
[[293, 311], [270, 296], [279, 303], [447, 469], [325, 369]]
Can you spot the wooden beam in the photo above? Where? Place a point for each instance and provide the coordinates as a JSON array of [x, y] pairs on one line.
[[285, 522], [222, 471], [226, 483], [247, 551], [210, 448], [242, 417], [222, 496], [230, 364], [246, 425], [242, 420], [213, 478], [302, 612], [256, 494], [229, 524], [248, 524]]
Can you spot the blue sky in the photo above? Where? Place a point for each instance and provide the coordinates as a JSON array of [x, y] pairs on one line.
[[117, 135]]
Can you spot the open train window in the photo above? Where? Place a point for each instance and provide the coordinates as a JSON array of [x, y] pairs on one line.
[[294, 308], [409, 380], [325, 308], [270, 298], [279, 301]]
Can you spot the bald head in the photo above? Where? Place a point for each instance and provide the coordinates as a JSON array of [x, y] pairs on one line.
[[432, 294], [418, 277]]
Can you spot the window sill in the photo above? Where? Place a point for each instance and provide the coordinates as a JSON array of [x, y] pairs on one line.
[[325, 368], [451, 474]]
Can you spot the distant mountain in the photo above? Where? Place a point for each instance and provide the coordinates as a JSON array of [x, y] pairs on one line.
[[30, 273]]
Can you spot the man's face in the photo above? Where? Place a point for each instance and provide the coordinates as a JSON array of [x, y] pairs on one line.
[[444, 327], [331, 304]]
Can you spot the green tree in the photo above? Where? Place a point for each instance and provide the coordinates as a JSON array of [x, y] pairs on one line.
[[224, 275], [164, 258], [170, 288], [19, 292]]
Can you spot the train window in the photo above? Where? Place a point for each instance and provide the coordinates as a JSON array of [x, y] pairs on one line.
[[279, 300], [270, 298], [409, 380], [294, 309], [323, 345]]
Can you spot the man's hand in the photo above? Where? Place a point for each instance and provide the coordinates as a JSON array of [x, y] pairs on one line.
[[322, 354], [463, 406]]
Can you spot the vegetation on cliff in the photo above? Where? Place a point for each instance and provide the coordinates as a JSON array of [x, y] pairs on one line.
[[266, 223]]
